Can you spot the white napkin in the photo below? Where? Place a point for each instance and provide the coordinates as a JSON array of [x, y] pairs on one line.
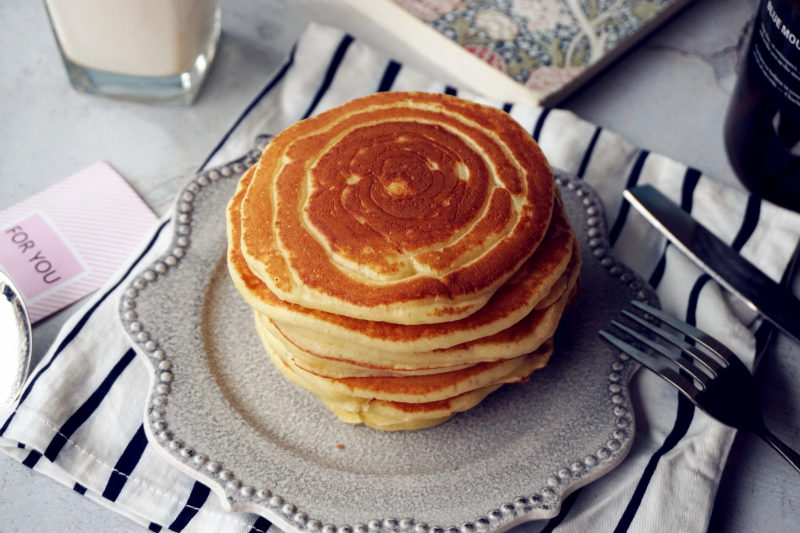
[[80, 418]]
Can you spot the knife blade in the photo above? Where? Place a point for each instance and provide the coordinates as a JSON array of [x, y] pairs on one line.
[[724, 264]]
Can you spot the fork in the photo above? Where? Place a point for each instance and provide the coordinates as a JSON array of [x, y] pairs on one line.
[[703, 369]]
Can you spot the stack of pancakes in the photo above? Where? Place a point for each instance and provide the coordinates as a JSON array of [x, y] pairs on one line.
[[405, 254]]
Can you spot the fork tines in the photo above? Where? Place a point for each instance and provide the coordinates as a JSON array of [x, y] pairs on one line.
[[698, 355]]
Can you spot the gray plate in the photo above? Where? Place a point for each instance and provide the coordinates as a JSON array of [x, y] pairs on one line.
[[220, 411]]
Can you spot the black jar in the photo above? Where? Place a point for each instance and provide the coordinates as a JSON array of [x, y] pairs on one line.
[[762, 127]]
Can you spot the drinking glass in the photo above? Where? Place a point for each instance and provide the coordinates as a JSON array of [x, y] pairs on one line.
[[143, 50]]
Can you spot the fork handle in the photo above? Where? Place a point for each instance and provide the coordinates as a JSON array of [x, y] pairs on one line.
[[789, 454]]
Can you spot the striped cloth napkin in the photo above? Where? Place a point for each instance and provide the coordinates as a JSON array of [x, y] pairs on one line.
[[79, 419]]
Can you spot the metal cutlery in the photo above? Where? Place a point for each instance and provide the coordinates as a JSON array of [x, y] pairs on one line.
[[15, 341], [777, 304], [701, 367]]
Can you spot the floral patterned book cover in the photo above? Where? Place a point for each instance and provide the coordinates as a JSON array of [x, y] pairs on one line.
[[549, 47]]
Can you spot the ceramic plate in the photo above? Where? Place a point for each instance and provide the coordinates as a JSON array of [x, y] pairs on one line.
[[219, 410]]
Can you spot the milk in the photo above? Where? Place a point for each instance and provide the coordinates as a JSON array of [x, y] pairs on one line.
[[134, 37]]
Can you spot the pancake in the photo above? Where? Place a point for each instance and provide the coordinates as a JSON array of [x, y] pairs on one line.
[[404, 255], [336, 357], [394, 416], [520, 295], [354, 400], [339, 367], [409, 208], [416, 389]]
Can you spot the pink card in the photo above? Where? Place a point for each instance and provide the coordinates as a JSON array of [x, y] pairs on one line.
[[68, 240]]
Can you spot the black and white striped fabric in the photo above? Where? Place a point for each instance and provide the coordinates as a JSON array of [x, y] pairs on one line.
[[79, 420]]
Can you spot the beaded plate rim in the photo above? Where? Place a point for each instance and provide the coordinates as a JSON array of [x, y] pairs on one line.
[[238, 495]]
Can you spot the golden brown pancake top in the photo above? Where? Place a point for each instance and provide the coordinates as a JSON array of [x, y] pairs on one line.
[[396, 200]]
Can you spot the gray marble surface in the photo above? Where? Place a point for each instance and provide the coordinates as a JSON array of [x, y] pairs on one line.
[[668, 95]]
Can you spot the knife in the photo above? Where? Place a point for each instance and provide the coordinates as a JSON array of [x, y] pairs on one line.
[[720, 261]]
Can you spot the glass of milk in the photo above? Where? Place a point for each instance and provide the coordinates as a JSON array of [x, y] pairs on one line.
[[143, 50]]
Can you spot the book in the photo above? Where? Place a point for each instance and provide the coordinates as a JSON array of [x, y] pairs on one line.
[[529, 51]]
